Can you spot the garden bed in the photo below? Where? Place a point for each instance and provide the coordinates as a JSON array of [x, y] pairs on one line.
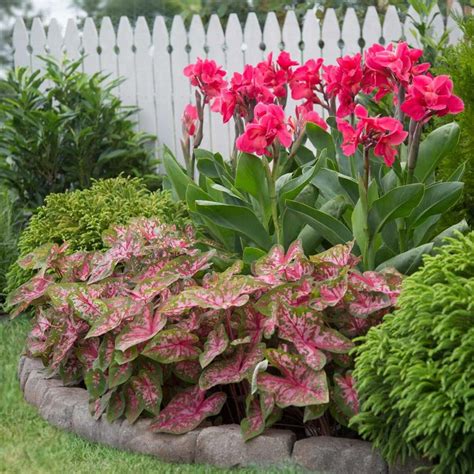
[[68, 408]]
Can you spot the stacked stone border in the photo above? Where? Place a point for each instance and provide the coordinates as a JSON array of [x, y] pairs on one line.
[[68, 409]]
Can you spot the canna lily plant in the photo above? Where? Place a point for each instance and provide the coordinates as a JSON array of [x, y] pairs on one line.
[[363, 173], [153, 326]]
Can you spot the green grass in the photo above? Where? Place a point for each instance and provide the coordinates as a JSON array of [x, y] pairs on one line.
[[29, 445]]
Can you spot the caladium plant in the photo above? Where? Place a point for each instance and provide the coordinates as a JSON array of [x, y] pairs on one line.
[[157, 326]]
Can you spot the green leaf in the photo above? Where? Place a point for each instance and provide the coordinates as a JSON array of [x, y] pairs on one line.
[[437, 199], [250, 175], [409, 261], [397, 203], [294, 186], [331, 229], [451, 232], [439, 143], [238, 218], [177, 176], [350, 186], [251, 254], [320, 139]]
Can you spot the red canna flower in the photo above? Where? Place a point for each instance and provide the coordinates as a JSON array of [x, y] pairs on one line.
[[303, 116], [305, 79], [382, 134], [207, 76], [268, 125], [428, 96]]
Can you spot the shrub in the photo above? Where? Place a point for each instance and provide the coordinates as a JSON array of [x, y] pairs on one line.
[[459, 62], [80, 217], [147, 321], [415, 372], [63, 128]]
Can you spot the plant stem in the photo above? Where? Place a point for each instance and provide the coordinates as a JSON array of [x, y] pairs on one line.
[[273, 197], [413, 151], [366, 168]]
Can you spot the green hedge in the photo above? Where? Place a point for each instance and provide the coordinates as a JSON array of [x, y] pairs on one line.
[[415, 371]]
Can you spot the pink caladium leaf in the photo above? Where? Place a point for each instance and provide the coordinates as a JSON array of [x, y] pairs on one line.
[[147, 387], [106, 353], [188, 371], [232, 369], [365, 304], [299, 384], [186, 266], [98, 406], [302, 328], [88, 352], [257, 325], [122, 357], [37, 258], [339, 255], [133, 404], [346, 394], [148, 289], [187, 410], [216, 343], [75, 267], [141, 329], [87, 304], [258, 410], [116, 406], [332, 293], [38, 343], [70, 332], [29, 292], [172, 345], [119, 374], [96, 383], [70, 371], [119, 309], [229, 293]]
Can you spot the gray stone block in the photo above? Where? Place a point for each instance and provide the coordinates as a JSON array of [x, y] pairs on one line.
[[21, 363], [223, 446], [27, 367], [329, 455], [83, 422], [166, 447]]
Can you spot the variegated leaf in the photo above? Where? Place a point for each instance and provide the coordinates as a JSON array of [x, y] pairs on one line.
[[365, 304], [172, 345], [87, 304], [119, 374], [29, 292], [257, 411], [345, 394], [313, 412], [133, 404], [96, 383], [116, 406], [187, 410], [188, 371], [141, 329], [232, 369], [147, 387], [299, 385], [88, 352], [216, 343]]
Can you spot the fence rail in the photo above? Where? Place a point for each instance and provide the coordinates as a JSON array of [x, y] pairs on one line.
[[152, 62]]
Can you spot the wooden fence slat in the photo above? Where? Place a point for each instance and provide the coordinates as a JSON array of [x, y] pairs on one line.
[[38, 43], [126, 62], [108, 43], [181, 87], [350, 33], [392, 28], [21, 55], [291, 35], [252, 40], [330, 34], [72, 41], [90, 43], [311, 36], [272, 35], [437, 26], [411, 35], [144, 77], [55, 40], [219, 133], [371, 29], [163, 87], [452, 26]]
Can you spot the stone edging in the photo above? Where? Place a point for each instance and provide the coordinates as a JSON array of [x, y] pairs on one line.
[[68, 408]]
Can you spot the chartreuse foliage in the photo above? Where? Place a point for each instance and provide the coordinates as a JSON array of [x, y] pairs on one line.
[[415, 371], [149, 326], [321, 201], [81, 217]]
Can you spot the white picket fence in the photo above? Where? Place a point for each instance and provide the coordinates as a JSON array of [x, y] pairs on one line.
[[152, 63]]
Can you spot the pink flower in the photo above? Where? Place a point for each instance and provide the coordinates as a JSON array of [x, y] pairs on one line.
[[387, 68], [268, 125], [428, 96], [303, 116], [344, 81], [304, 80], [189, 120], [207, 76], [382, 134]]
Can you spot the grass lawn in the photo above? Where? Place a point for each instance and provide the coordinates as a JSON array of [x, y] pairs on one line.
[[29, 445]]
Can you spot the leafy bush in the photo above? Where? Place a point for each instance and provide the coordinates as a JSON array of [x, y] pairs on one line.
[[368, 177], [414, 372], [81, 217], [63, 128], [147, 321], [459, 62]]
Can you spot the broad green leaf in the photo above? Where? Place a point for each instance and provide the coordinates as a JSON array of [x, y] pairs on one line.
[[294, 186], [333, 230], [409, 261], [238, 218], [437, 199], [439, 143], [451, 232], [177, 176], [350, 186], [251, 254], [250, 176], [320, 139], [397, 203]]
